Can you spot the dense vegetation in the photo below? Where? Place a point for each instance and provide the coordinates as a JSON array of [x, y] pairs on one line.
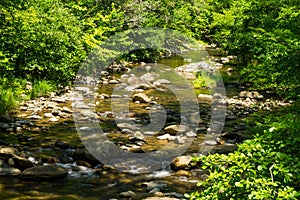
[[44, 42], [266, 167]]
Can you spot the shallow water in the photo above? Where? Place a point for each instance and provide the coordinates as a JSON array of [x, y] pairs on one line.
[[88, 183]]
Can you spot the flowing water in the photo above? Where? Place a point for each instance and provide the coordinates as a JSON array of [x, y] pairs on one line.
[[95, 183]]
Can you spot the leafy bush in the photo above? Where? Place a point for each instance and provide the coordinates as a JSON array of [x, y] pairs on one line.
[[204, 80], [42, 89], [266, 167], [41, 40]]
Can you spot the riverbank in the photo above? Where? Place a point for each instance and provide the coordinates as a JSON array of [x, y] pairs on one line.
[[42, 133]]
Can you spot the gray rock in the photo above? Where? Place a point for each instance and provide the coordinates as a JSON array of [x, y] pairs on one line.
[[59, 99], [90, 114], [127, 126], [9, 171], [45, 172], [179, 140], [211, 142], [128, 194], [155, 185], [191, 134], [174, 129], [141, 97]]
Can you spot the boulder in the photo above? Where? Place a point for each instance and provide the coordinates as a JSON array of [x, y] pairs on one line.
[[141, 97], [181, 162], [45, 172]]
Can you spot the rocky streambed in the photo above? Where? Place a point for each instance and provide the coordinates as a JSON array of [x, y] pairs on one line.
[[42, 153]]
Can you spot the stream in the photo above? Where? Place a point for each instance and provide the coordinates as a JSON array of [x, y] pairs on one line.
[[57, 140]]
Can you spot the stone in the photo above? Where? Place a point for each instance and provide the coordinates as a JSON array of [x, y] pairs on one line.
[[257, 96], [128, 194], [137, 136], [48, 115], [180, 162], [8, 152], [84, 155], [211, 142], [36, 117], [245, 94], [155, 185], [66, 109], [124, 126], [179, 140], [88, 113], [6, 119], [9, 171], [191, 134], [205, 97], [174, 129], [21, 163], [160, 198], [141, 97], [61, 145], [113, 82], [45, 172], [175, 194], [53, 119], [166, 137], [59, 99], [183, 173]]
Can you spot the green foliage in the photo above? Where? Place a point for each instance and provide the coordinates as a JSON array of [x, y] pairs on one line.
[[205, 80], [42, 89], [40, 39], [265, 36], [266, 167]]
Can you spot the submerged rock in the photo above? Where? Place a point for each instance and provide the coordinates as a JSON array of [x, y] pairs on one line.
[[45, 172], [9, 171], [128, 194]]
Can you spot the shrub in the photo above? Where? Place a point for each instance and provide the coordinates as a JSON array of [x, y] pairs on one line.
[[266, 167]]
